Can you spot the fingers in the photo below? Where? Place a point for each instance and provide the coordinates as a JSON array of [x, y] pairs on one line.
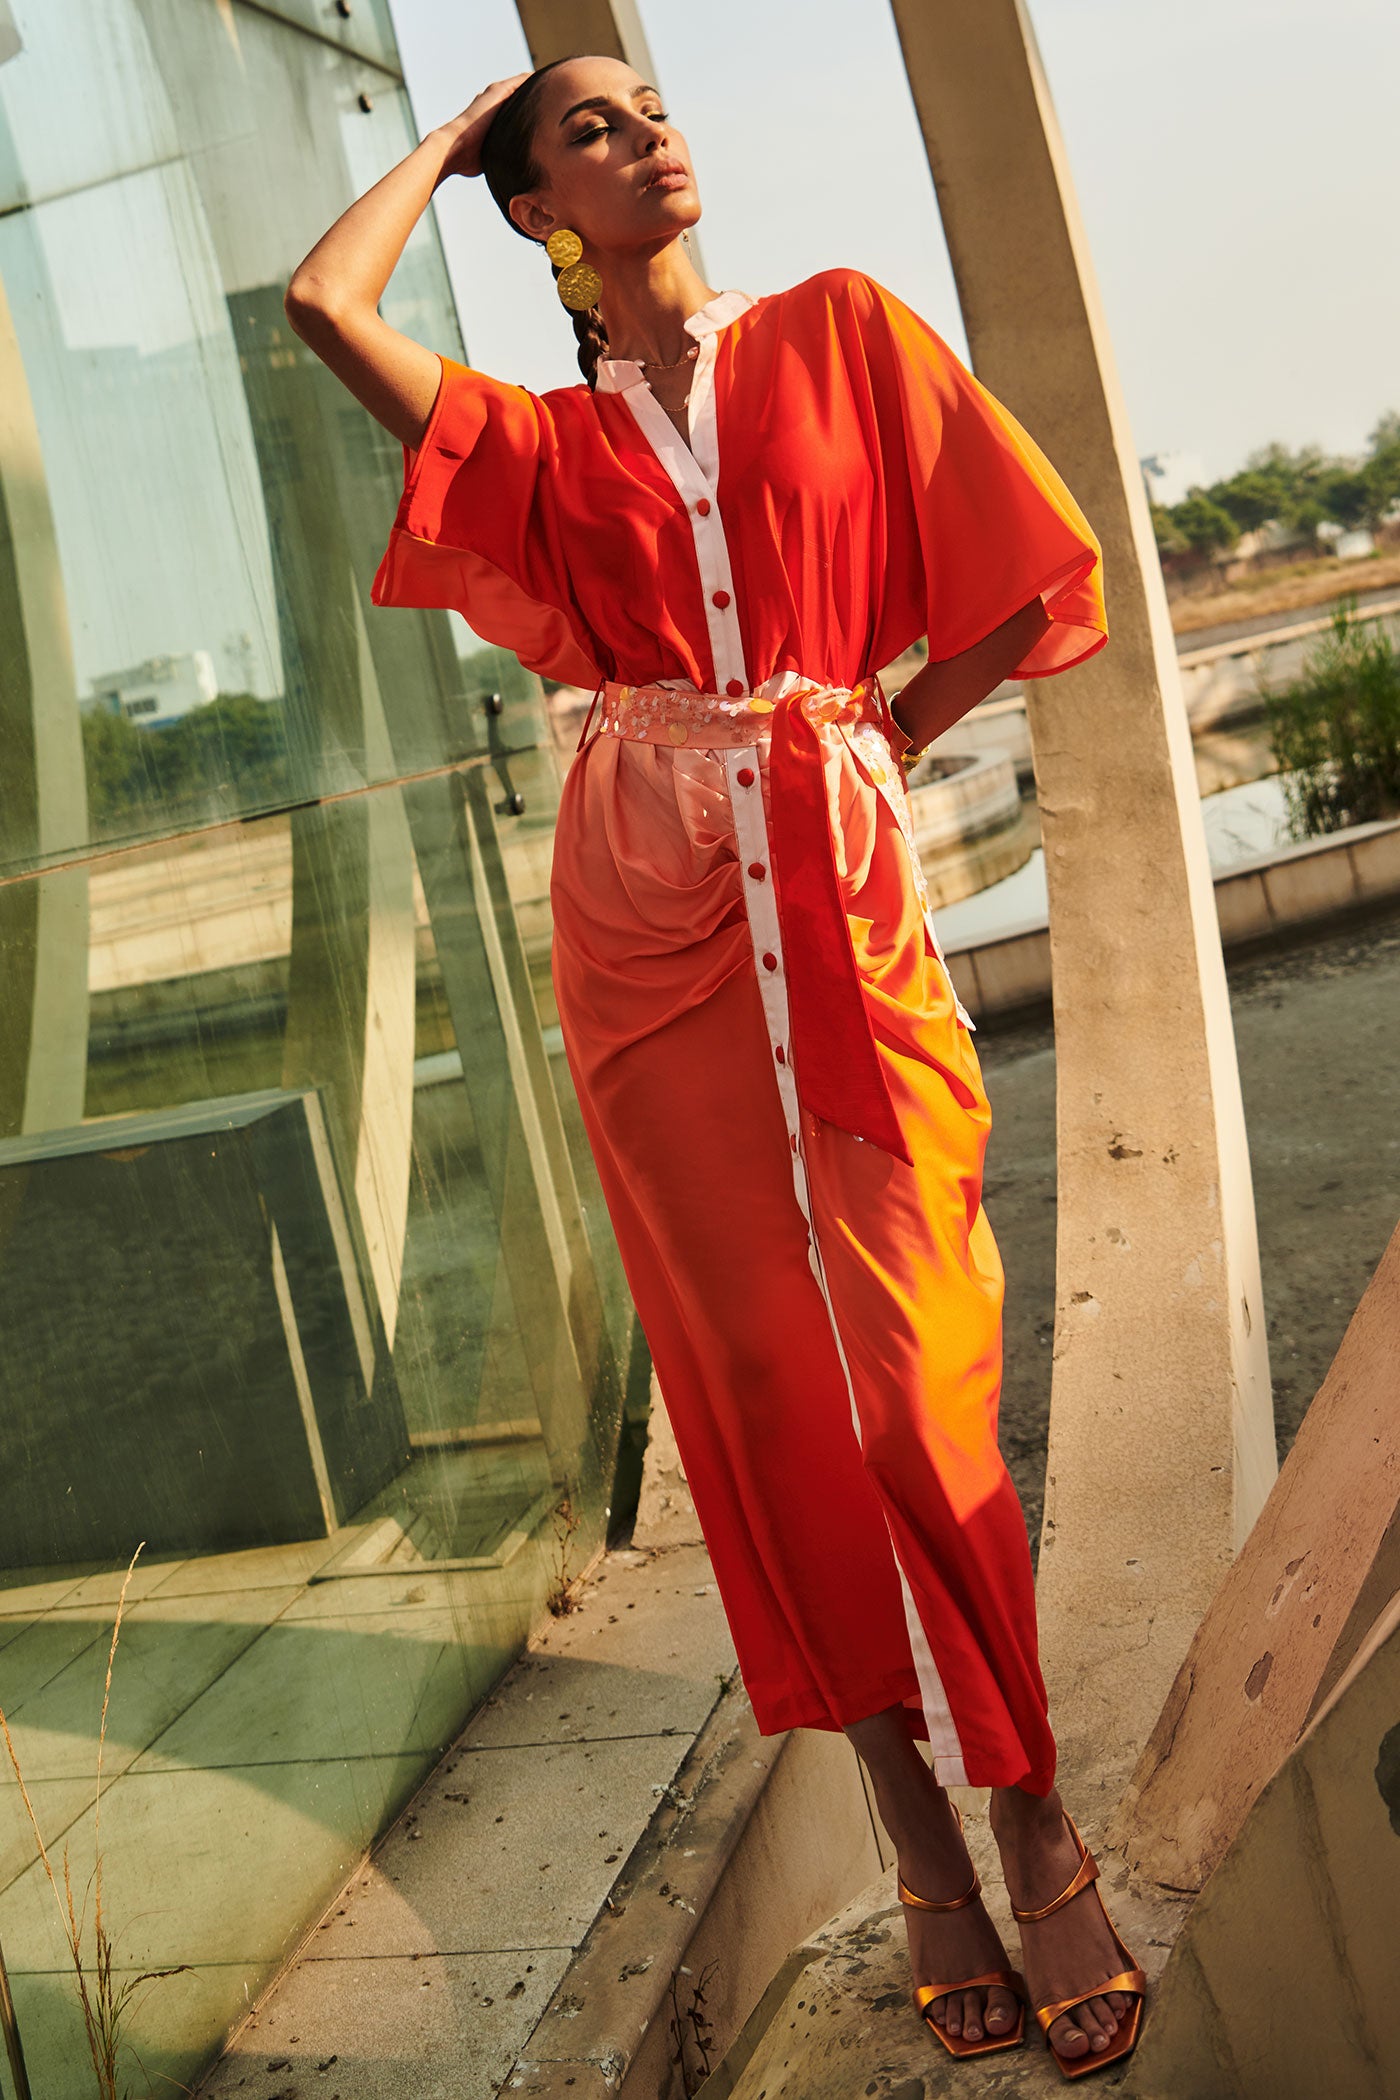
[[497, 91], [471, 127]]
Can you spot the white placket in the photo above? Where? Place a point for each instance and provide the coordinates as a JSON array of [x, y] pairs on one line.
[[694, 470]]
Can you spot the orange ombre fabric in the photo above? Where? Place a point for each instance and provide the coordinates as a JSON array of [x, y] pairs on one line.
[[824, 1313]]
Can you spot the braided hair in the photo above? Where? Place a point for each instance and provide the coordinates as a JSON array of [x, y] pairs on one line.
[[509, 165]]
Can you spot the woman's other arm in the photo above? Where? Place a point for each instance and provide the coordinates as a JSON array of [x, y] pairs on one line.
[[940, 694], [333, 299]]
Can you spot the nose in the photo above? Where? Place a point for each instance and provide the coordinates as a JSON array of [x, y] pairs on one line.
[[653, 139]]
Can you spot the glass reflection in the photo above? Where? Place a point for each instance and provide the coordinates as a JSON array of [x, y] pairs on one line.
[[304, 1277]]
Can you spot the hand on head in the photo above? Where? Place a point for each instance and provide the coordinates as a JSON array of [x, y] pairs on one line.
[[474, 123]]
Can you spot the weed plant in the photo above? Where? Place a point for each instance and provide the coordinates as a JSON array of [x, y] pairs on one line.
[[106, 2001], [1335, 731]]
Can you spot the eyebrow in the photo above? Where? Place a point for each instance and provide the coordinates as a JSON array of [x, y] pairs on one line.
[[602, 101]]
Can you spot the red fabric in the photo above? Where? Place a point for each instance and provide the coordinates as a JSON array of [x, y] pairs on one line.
[[872, 492], [838, 1067]]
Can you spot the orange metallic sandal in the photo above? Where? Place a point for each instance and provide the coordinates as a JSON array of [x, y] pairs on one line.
[[1004, 1979], [1129, 1978]]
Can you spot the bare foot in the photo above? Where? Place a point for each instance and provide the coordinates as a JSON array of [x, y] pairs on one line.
[[1068, 1952], [934, 1862]]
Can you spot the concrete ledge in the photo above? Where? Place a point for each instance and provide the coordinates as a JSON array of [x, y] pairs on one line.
[[609, 1848], [733, 1870], [1258, 901], [997, 976], [837, 2022]]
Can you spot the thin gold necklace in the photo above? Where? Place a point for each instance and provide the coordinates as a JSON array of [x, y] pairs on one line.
[[654, 364]]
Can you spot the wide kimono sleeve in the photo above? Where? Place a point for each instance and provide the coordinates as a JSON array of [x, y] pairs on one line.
[[978, 521], [473, 530]]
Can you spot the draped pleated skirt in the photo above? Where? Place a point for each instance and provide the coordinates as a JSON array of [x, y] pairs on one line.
[[824, 1317]]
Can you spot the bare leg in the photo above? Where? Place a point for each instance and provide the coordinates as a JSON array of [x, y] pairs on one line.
[[934, 1862], [1062, 1953]]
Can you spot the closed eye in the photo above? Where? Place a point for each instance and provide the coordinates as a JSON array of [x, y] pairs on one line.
[[657, 116]]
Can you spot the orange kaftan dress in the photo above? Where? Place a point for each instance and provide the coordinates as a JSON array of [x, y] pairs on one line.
[[777, 1079]]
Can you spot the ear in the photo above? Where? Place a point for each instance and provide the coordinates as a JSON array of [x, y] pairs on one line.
[[533, 217]]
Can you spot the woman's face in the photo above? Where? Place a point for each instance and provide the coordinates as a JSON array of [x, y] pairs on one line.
[[615, 168]]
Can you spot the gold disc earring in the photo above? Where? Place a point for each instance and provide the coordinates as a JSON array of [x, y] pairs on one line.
[[578, 283]]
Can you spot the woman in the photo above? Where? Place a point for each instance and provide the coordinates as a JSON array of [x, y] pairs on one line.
[[749, 506]]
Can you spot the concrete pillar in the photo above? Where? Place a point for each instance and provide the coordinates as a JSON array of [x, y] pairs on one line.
[[1282, 1983], [43, 805], [586, 28], [1161, 1434], [1319, 1567]]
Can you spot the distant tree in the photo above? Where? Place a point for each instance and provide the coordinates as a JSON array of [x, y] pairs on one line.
[[117, 771], [1381, 472], [225, 757], [1252, 498], [1170, 538], [1203, 524], [1341, 494]]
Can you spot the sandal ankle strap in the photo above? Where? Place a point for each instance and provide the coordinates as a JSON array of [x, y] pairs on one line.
[[907, 1896], [1086, 1872]]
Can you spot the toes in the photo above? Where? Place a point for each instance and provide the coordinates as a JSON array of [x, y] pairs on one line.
[[939, 2010], [1001, 2012], [1068, 2037], [972, 2015]]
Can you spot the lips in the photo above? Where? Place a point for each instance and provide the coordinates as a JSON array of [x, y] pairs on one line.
[[666, 171]]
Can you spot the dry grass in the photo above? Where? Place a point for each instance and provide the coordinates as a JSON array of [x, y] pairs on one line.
[[106, 2004], [1284, 591], [563, 1589]]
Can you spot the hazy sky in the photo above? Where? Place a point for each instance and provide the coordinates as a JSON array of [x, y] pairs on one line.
[[1237, 162]]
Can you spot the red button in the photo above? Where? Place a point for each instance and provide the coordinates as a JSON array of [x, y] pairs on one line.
[[734, 688], [721, 599], [744, 776], [794, 1144], [770, 962], [757, 871], [702, 508], [780, 1054]]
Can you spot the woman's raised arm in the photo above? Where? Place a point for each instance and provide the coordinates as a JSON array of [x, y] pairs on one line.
[[333, 299]]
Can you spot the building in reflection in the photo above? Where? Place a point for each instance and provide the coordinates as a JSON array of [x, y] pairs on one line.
[[161, 690], [304, 1281]]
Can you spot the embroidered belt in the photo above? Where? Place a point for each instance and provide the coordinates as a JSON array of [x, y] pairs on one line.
[[835, 1062], [661, 714]]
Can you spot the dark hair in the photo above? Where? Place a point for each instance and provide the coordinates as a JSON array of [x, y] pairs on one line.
[[509, 165]]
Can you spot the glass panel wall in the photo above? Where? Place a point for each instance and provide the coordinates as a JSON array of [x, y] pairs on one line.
[[305, 1286]]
